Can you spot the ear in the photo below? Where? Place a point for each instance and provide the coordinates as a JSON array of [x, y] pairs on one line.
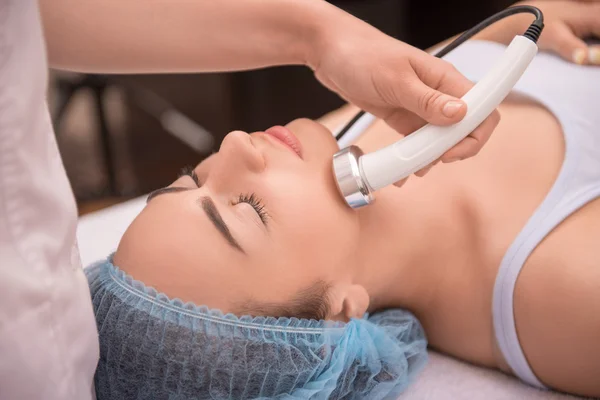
[[348, 301]]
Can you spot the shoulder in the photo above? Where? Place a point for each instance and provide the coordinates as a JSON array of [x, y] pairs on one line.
[[557, 305]]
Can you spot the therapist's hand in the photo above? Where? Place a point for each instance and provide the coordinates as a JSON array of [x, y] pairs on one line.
[[398, 83]]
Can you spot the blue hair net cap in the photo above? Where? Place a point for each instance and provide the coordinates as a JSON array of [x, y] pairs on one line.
[[152, 347]]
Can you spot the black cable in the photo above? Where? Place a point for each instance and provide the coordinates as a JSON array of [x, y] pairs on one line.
[[533, 33], [538, 23]]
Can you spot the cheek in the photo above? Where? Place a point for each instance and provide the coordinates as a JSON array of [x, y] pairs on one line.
[[319, 233], [307, 202]]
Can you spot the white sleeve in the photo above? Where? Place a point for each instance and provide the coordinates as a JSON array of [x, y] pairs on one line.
[[48, 336]]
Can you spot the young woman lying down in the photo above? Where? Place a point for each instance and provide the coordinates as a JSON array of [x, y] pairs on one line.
[[498, 256]]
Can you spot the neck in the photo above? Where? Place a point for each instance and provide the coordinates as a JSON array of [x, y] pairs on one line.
[[408, 240]]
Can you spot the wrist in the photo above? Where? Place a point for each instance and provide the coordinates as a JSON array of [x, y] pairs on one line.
[[315, 25], [326, 27], [279, 32]]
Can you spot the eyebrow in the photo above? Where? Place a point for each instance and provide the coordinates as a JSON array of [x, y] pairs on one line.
[[212, 213], [169, 189], [208, 205]]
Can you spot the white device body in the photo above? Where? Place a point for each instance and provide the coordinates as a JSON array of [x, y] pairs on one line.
[[417, 150]]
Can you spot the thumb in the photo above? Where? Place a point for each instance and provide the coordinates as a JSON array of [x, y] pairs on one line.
[[564, 42], [432, 105]]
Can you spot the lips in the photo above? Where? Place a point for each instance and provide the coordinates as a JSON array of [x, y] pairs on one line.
[[286, 137]]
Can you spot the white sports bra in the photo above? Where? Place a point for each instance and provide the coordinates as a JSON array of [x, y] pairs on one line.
[[571, 93]]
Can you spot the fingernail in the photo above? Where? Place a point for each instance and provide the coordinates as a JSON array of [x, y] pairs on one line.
[[452, 107], [595, 55], [579, 56]]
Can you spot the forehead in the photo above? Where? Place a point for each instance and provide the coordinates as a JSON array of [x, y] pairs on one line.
[[180, 218], [204, 269]]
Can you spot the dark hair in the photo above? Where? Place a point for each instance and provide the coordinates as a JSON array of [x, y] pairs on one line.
[[309, 303]]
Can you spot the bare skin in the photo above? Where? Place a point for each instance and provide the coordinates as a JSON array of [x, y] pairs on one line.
[[433, 246], [382, 75], [557, 296]]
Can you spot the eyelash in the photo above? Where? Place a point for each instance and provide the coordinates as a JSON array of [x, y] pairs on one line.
[[256, 203], [189, 171], [251, 199]]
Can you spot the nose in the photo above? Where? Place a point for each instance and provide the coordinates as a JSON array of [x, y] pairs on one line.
[[237, 154], [237, 148]]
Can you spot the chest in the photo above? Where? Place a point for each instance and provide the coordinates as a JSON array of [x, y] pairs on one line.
[[501, 188]]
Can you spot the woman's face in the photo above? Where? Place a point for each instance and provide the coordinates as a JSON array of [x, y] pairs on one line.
[[267, 223]]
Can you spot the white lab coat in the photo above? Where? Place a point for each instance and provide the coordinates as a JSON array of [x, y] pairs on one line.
[[48, 338]]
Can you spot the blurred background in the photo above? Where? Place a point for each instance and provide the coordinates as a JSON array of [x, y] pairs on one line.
[[123, 136]]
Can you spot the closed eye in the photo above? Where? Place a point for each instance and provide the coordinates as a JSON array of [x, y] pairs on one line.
[[189, 171], [250, 199], [257, 204]]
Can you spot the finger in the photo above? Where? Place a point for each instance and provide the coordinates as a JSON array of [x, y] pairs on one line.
[[432, 105], [563, 41], [404, 121], [421, 173], [401, 182], [472, 144], [442, 77], [587, 22], [594, 54]]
